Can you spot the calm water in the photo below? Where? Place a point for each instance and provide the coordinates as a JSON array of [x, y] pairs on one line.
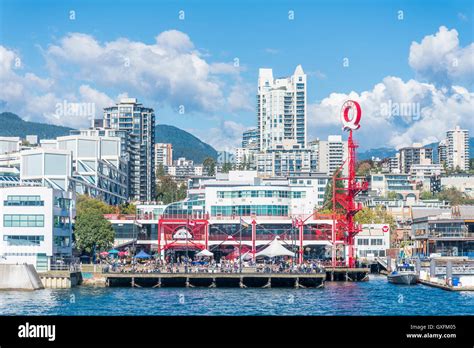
[[376, 297]]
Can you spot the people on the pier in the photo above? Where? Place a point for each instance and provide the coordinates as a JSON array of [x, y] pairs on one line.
[[188, 264]]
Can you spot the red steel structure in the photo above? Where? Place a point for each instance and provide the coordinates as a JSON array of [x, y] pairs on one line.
[[180, 232], [344, 206]]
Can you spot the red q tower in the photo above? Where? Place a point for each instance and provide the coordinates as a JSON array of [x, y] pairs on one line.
[[344, 205]]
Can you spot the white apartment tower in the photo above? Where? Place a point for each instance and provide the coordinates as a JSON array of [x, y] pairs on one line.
[[458, 148], [163, 154], [332, 154], [281, 109], [138, 122]]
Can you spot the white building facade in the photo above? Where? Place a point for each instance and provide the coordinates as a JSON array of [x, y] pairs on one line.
[[373, 241], [163, 154], [281, 109], [35, 225], [332, 154], [139, 123], [458, 148]]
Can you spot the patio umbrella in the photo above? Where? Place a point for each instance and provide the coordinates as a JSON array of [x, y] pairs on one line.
[[113, 251], [122, 253], [274, 249], [204, 252], [104, 253], [142, 255]]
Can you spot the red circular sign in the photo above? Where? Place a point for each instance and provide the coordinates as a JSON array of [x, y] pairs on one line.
[[351, 114], [385, 228]]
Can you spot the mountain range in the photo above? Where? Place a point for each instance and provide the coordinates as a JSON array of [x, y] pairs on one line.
[[184, 143], [384, 152]]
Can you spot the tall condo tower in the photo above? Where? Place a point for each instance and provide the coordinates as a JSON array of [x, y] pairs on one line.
[[139, 123], [281, 109]]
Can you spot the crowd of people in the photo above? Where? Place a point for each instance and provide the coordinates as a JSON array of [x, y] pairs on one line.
[[209, 265]]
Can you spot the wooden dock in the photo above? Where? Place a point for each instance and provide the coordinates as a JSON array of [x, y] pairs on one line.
[[347, 274], [213, 280], [446, 286]]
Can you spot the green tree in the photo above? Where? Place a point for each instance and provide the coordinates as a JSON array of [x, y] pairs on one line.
[[182, 191], [424, 195], [328, 194], [92, 231], [453, 195], [226, 167], [364, 167], [84, 202], [392, 195], [377, 215], [167, 190], [127, 208], [209, 165], [160, 171]]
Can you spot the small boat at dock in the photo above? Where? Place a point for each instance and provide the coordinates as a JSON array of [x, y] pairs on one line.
[[404, 274]]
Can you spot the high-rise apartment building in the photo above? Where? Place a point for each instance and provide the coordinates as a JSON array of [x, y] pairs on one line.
[[413, 155], [250, 139], [332, 154], [139, 122], [457, 142], [281, 109], [163, 155], [442, 152]]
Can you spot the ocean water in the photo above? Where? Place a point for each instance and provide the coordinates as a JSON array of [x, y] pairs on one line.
[[375, 297]]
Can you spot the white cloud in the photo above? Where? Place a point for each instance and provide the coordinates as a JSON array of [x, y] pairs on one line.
[[396, 113], [430, 112], [440, 59], [226, 137], [35, 98], [169, 71], [242, 97]]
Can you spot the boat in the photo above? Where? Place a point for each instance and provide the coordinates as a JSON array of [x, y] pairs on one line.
[[404, 274]]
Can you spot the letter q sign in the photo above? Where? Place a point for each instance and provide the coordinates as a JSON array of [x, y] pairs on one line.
[[350, 115]]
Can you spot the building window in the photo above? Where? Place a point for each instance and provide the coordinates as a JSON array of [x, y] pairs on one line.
[[61, 241], [376, 241], [23, 240], [363, 241], [248, 210], [27, 201], [61, 221], [23, 220]]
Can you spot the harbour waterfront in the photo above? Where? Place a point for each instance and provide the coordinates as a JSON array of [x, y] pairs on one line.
[[375, 297]]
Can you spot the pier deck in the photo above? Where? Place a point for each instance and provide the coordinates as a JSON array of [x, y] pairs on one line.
[[446, 286], [347, 274], [242, 280]]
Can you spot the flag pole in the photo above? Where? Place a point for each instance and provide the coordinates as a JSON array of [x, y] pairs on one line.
[[240, 244], [187, 231]]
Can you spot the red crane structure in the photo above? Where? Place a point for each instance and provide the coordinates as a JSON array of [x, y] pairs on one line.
[[344, 206]]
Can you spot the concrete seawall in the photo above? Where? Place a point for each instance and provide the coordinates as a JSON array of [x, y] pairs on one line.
[[60, 279], [19, 277]]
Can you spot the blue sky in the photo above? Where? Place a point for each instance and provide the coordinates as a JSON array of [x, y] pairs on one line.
[[219, 98]]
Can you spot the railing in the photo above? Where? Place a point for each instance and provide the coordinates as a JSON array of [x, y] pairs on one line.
[[119, 216], [246, 217], [451, 234], [72, 267]]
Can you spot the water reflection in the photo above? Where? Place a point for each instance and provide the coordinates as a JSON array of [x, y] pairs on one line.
[[375, 297]]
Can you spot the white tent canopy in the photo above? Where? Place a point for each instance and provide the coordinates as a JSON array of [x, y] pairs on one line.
[[204, 252], [246, 256], [274, 249]]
